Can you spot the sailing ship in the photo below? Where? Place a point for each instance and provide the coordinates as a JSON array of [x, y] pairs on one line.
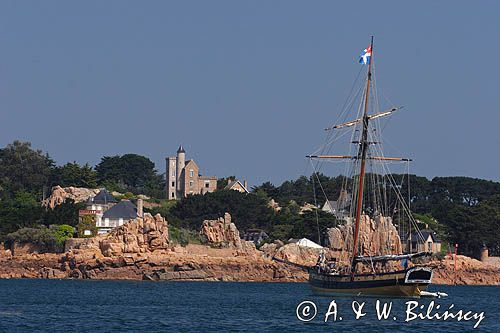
[[333, 277]]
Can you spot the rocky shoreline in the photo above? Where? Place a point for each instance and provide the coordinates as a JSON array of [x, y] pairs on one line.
[[202, 263], [193, 263], [141, 250]]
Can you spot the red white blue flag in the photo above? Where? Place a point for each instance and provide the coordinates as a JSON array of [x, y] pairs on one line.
[[365, 56]]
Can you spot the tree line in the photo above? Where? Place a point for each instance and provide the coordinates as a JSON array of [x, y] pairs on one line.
[[27, 175], [465, 210]]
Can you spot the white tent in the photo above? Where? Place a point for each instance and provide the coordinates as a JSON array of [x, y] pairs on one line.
[[308, 243]]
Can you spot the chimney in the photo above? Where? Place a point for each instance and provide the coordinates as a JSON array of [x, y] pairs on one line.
[[140, 210], [245, 184]]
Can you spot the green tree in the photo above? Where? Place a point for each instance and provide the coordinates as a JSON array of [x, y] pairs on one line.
[[247, 210], [72, 174], [41, 236], [281, 231], [20, 211], [61, 233], [268, 188], [222, 182], [24, 169], [155, 187], [65, 213], [130, 172]]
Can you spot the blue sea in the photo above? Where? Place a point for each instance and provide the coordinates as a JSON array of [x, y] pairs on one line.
[[125, 306]]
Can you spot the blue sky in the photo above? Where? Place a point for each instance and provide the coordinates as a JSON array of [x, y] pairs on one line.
[[247, 87]]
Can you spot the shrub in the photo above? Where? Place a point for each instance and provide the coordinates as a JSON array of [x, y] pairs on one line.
[[63, 232], [40, 236], [184, 237]]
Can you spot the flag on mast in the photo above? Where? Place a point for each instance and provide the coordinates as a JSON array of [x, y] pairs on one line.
[[365, 56]]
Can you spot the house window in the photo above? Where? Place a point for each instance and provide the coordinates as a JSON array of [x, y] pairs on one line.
[[191, 173], [173, 173], [172, 195], [190, 183], [429, 246], [207, 184], [173, 184]]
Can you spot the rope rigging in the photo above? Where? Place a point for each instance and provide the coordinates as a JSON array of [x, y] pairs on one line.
[[381, 185]]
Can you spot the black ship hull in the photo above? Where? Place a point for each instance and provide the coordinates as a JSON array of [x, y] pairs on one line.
[[405, 283]]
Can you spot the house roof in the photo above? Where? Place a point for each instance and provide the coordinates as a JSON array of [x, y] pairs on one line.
[[124, 209], [256, 232], [425, 234], [336, 204], [231, 184], [188, 162], [103, 197], [332, 204], [181, 149]]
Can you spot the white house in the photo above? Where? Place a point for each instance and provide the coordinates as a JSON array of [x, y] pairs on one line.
[[99, 204], [116, 216]]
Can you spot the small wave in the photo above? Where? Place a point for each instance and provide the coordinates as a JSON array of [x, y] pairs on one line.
[[8, 313]]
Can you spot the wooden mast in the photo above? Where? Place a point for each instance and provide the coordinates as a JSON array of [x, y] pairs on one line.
[[363, 145]]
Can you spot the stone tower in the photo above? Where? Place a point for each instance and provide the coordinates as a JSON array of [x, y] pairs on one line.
[[171, 178], [181, 163]]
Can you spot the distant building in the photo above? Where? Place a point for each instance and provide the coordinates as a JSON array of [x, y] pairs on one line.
[[236, 185], [183, 177], [116, 216], [96, 206], [108, 213], [339, 208], [255, 235], [424, 241]]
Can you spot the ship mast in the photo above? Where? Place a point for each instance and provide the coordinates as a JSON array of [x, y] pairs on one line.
[[363, 147]]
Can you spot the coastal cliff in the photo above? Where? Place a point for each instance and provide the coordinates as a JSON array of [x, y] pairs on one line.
[[141, 249]]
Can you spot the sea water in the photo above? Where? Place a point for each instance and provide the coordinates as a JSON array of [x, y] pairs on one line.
[[140, 306]]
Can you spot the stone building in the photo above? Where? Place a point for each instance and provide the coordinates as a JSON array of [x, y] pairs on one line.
[[424, 241], [184, 178]]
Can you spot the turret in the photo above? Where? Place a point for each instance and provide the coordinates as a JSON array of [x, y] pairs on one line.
[[181, 163]]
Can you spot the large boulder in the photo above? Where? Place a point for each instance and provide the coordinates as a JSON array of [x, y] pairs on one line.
[[137, 236], [141, 235], [297, 254], [60, 194], [377, 236], [223, 233]]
